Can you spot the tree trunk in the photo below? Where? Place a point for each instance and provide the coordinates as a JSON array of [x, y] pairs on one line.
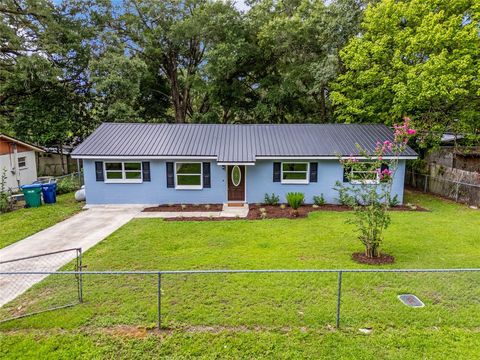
[[371, 251], [323, 105], [62, 160], [176, 94]]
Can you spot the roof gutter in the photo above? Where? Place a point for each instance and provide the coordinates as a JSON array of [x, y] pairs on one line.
[[140, 157], [223, 163], [329, 157]]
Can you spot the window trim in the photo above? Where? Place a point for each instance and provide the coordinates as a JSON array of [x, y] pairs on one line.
[[295, 181], [124, 179], [375, 181], [188, 187], [240, 177], [24, 161]]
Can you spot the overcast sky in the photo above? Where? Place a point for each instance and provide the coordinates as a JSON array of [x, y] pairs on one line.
[[240, 5]]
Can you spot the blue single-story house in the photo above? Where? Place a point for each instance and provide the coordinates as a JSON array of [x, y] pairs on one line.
[[135, 163]]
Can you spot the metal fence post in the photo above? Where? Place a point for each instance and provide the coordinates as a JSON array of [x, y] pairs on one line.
[[159, 301], [80, 277], [457, 186], [426, 184], [339, 298]]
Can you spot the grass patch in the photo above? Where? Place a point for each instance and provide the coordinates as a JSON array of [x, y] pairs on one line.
[[19, 224], [268, 315]]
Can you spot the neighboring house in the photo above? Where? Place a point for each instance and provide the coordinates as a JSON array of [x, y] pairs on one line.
[[456, 157], [196, 164], [56, 161], [19, 160]]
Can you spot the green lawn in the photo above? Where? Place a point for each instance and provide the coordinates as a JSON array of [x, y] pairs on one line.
[[286, 316], [21, 223]]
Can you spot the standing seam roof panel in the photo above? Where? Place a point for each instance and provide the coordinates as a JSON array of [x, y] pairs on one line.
[[233, 143]]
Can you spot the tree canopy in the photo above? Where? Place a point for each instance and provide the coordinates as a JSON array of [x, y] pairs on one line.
[[419, 58], [67, 66]]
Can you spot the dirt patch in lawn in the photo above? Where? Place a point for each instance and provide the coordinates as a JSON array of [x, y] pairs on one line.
[[127, 330], [184, 208], [379, 260]]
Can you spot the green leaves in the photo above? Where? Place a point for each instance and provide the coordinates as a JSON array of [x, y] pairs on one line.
[[418, 57], [117, 83]]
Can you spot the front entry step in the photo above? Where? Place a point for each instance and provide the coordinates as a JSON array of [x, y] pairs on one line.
[[235, 210]]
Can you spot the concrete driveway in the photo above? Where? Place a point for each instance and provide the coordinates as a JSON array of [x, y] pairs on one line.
[[83, 230]]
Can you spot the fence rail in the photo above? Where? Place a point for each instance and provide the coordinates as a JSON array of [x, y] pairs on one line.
[[160, 274], [21, 279], [456, 190]]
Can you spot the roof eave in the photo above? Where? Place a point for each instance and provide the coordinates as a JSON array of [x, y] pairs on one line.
[[23, 143]]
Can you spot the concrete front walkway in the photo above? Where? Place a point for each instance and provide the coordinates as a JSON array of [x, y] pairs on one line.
[[83, 230], [227, 211]]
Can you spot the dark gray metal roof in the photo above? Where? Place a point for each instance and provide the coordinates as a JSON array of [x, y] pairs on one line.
[[233, 143]]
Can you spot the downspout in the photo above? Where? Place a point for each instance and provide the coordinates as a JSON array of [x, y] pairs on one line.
[[15, 157]]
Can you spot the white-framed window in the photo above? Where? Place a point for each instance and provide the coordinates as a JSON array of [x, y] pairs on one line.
[[22, 162], [364, 173], [295, 172], [123, 171], [188, 175]]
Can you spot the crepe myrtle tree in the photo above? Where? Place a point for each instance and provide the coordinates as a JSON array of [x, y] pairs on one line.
[[370, 187]]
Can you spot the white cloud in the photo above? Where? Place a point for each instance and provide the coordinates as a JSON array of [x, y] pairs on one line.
[[240, 5]]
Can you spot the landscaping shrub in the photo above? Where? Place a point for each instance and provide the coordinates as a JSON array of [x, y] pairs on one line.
[[393, 201], [319, 200], [66, 185], [5, 201], [295, 199], [271, 199], [344, 197]]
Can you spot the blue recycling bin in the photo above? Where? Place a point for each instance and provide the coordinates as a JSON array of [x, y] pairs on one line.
[[49, 192]]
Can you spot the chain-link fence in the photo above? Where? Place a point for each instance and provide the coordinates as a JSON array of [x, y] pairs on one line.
[[13, 286], [455, 190], [360, 298]]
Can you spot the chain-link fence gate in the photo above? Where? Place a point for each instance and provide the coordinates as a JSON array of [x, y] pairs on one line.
[[13, 286]]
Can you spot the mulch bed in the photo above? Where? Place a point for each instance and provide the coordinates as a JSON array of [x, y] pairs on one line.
[[379, 260], [274, 212], [409, 208], [185, 208]]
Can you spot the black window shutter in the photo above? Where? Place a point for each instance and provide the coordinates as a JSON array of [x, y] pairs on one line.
[[276, 172], [346, 172], [206, 175], [146, 171], [170, 175], [313, 171], [99, 171]]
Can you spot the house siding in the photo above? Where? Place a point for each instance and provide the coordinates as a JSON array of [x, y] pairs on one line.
[[26, 175], [155, 191], [259, 181]]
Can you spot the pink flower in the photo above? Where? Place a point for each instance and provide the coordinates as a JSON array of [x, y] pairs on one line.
[[411, 131]]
